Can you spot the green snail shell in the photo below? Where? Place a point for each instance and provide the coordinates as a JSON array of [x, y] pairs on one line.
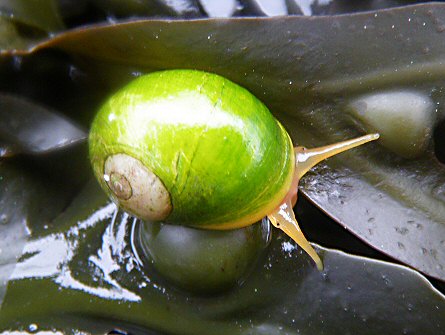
[[211, 153]]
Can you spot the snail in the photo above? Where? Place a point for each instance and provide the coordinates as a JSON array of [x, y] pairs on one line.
[[192, 148]]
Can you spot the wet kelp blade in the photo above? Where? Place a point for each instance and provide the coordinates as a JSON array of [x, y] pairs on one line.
[[40, 14], [94, 278], [308, 78], [10, 38], [27, 205], [34, 129], [369, 209]]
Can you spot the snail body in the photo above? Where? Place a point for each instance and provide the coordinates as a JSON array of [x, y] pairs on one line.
[[193, 148]]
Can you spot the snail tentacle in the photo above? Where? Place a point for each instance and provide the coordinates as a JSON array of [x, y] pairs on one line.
[[284, 219], [306, 159]]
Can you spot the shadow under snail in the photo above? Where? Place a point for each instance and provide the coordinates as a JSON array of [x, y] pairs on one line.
[[193, 148]]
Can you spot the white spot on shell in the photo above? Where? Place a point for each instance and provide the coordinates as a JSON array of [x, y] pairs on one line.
[[148, 197]]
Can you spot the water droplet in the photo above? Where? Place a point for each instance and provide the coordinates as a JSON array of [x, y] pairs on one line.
[[424, 251], [325, 276], [401, 245], [17, 63], [111, 19], [402, 230], [387, 281], [74, 73], [440, 28], [433, 253], [33, 327], [4, 219]]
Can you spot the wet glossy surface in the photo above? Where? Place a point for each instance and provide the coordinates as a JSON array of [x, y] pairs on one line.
[[84, 265], [308, 91], [26, 125], [201, 261], [307, 70]]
